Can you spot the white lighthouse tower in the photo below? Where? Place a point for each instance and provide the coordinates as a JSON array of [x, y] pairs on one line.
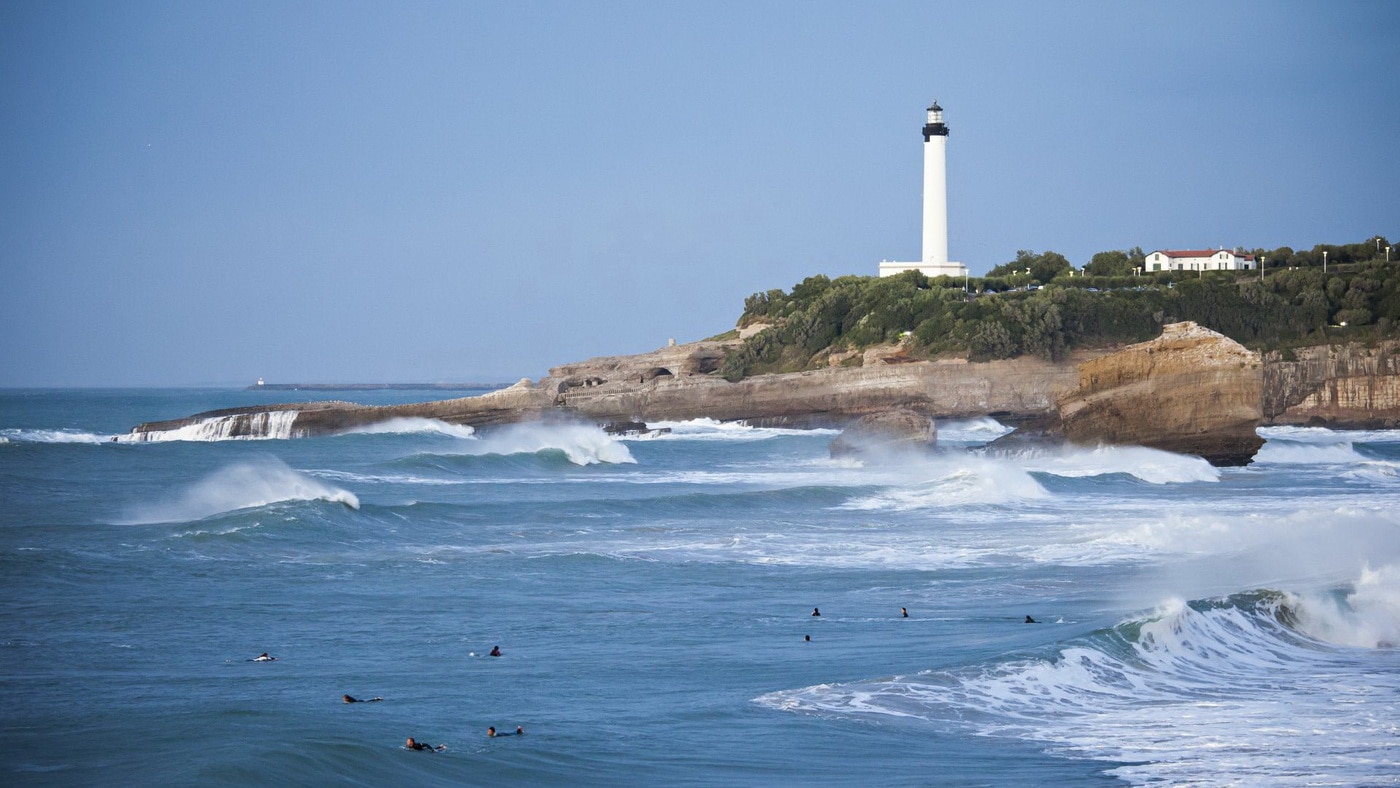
[[935, 255]]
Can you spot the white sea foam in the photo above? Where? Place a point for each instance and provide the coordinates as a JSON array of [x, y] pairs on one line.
[[1216, 693], [971, 431], [263, 425], [241, 486], [1279, 452], [583, 444], [951, 480], [51, 436], [1150, 465], [1368, 616], [414, 426], [1328, 436], [712, 430]]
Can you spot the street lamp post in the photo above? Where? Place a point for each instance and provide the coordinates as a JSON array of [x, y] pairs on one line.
[[1262, 260], [1324, 261]]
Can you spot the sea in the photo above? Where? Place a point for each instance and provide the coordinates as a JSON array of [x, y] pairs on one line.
[[654, 599]]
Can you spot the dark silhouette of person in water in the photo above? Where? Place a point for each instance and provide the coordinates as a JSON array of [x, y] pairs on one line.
[[903, 612], [1030, 620], [491, 732], [495, 651], [421, 747], [263, 657], [816, 612], [349, 699], [806, 638]]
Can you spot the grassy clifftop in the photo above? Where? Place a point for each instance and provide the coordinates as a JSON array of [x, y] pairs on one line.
[[1005, 317]]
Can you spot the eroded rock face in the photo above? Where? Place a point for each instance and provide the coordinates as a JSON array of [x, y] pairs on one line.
[[1341, 386], [1190, 391], [894, 431]]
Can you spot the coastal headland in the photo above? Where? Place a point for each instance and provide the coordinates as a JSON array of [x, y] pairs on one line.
[[1190, 390]]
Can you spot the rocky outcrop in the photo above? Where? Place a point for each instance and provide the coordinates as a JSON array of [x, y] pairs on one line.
[[1340, 386], [1190, 391], [891, 432], [629, 388], [303, 419]]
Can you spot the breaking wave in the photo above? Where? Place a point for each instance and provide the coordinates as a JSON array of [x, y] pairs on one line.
[[582, 444], [414, 426], [1225, 691], [712, 430], [263, 425], [51, 436], [242, 486], [1149, 465]]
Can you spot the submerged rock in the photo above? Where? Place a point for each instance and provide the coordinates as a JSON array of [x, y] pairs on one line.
[[890, 431]]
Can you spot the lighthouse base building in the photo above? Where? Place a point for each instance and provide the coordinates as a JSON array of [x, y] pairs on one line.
[[935, 257]]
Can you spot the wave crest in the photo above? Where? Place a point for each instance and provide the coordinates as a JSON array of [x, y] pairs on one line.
[[583, 444], [242, 486]]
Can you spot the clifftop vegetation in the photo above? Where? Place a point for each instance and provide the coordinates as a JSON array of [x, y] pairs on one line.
[[1039, 305]]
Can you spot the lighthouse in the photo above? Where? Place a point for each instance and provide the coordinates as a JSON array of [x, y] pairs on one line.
[[934, 261]]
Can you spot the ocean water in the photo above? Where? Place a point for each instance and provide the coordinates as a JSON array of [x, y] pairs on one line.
[[652, 601]]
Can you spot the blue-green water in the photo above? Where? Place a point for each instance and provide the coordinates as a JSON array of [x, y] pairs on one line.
[[651, 596]]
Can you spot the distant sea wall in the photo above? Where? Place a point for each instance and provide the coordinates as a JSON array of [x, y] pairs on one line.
[[376, 386]]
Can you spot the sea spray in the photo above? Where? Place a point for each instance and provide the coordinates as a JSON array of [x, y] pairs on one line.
[[583, 444], [414, 426], [242, 486], [262, 425]]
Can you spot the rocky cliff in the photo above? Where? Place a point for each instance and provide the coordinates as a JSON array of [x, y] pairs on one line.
[[1190, 391], [1340, 386]]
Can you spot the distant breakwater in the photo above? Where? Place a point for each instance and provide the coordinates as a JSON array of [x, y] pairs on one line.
[[375, 386]]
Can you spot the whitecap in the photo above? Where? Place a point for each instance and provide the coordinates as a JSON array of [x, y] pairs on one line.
[[242, 486], [583, 444], [712, 430], [413, 426], [51, 436]]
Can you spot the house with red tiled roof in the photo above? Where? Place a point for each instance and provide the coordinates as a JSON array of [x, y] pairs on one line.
[[1198, 260]]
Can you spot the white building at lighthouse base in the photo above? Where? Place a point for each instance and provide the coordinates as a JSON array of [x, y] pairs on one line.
[[888, 268]]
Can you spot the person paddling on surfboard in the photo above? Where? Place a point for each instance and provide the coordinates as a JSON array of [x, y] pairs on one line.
[[349, 699], [421, 747], [263, 657]]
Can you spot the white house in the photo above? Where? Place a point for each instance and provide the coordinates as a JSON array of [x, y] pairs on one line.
[[1198, 260]]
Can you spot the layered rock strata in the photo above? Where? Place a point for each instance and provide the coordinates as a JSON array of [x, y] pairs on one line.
[[1190, 391], [1339, 386]]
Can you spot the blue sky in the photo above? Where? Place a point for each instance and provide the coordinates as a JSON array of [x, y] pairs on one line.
[[206, 193]]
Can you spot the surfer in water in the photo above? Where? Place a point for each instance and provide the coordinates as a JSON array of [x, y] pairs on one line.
[[1030, 620], [491, 732], [495, 651], [903, 612], [263, 657], [421, 747], [816, 612], [350, 699]]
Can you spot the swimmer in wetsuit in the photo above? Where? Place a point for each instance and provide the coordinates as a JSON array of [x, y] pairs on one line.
[[495, 651], [415, 745], [349, 699], [816, 612], [903, 612], [1030, 620], [263, 657]]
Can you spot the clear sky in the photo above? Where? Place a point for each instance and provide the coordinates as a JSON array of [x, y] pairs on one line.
[[209, 192]]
